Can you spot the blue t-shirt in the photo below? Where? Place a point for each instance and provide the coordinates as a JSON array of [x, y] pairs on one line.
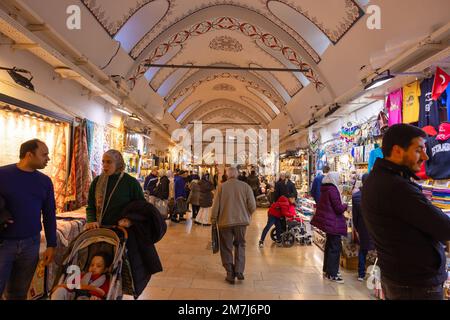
[[27, 194]]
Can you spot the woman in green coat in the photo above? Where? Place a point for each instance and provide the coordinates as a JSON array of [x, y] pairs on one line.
[[111, 192]]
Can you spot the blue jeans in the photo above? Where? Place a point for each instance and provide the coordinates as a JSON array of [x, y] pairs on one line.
[[270, 222], [18, 262], [362, 254]]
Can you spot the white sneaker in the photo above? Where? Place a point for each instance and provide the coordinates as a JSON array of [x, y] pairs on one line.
[[336, 279], [360, 279]]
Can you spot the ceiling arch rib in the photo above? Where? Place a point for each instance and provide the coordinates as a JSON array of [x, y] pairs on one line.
[[219, 104], [272, 80], [113, 18], [244, 78], [255, 106], [144, 19], [265, 99], [166, 87], [232, 8], [302, 25], [151, 72], [180, 100], [268, 40], [191, 107], [213, 49]]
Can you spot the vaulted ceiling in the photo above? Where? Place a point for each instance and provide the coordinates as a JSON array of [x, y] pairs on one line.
[[232, 33], [328, 40]]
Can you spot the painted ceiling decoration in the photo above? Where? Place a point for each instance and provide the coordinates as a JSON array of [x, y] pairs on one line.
[[224, 87], [191, 88], [347, 11], [254, 52], [225, 43], [112, 18], [228, 23]]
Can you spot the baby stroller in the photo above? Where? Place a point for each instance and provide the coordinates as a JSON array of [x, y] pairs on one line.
[[109, 240], [294, 231]]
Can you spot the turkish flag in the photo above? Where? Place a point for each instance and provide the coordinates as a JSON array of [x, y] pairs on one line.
[[441, 80]]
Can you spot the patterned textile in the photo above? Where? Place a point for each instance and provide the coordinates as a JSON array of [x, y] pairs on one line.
[[67, 231], [15, 129], [89, 135], [95, 157], [80, 175], [114, 138]]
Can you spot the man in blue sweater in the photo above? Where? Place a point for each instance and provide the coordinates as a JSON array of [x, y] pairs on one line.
[[27, 192]]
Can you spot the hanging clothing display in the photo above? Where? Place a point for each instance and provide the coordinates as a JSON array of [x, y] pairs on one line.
[[374, 155], [438, 151], [394, 107], [16, 127], [411, 105], [429, 114], [114, 138]]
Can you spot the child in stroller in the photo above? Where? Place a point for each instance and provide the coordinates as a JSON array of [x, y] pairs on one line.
[[101, 254], [94, 283]]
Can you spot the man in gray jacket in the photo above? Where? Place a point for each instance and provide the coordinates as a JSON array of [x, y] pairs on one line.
[[233, 206]]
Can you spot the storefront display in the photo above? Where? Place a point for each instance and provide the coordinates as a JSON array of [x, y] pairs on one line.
[[297, 164], [18, 125]]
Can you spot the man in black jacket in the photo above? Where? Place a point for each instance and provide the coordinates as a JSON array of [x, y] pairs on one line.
[[407, 229]]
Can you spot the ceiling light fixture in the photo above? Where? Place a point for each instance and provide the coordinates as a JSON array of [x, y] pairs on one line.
[[124, 111], [332, 110], [18, 78], [379, 80], [135, 117], [311, 123]]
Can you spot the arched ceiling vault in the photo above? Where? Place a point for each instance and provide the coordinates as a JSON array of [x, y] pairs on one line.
[[223, 105], [267, 33]]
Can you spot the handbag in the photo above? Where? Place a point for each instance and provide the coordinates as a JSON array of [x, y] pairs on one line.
[[215, 238]]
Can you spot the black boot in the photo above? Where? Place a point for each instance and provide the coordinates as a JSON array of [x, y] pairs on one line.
[[230, 277]]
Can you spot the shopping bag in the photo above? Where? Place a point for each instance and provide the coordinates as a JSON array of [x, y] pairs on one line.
[[162, 206], [214, 238]]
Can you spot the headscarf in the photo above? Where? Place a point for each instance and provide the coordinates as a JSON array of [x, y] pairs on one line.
[[333, 178], [102, 183], [161, 173]]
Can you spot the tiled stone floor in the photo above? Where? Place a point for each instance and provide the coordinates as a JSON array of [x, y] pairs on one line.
[[192, 272]]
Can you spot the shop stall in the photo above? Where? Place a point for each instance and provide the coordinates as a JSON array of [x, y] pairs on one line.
[[19, 124], [297, 164]]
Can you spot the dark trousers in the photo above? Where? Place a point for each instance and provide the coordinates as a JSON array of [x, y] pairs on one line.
[[18, 262], [332, 255], [362, 255], [230, 237], [271, 220], [195, 210], [394, 291]]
